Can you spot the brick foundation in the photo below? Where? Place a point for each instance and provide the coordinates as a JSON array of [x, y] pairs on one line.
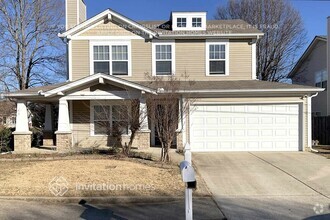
[[179, 140], [22, 142], [48, 138], [63, 142], [142, 140]]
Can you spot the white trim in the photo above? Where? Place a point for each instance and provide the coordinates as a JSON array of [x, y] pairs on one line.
[[101, 16], [70, 60], [110, 44], [309, 121], [154, 44], [105, 38], [255, 35], [189, 16], [254, 60], [91, 78], [248, 90], [90, 27], [207, 56], [247, 102]]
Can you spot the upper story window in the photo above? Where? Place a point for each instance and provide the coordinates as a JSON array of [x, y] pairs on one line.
[[321, 79], [197, 22], [181, 22], [217, 59], [164, 59], [111, 58]]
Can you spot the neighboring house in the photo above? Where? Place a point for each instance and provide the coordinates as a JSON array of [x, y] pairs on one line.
[[313, 69], [7, 114], [109, 55]]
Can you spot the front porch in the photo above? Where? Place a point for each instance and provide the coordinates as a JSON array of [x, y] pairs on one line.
[[75, 126]]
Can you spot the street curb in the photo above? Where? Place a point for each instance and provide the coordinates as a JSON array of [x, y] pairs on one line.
[[100, 200]]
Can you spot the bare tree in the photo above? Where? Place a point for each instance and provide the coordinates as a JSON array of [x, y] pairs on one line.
[[117, 119], [283, 28], [31, 53], [165, 110]]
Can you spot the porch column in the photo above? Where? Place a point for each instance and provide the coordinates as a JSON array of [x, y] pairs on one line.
[[179, 131], [22, 134], [142, 138], [48, 130], [64, 133]]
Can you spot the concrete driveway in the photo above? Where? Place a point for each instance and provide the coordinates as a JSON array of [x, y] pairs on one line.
[[281, 185]]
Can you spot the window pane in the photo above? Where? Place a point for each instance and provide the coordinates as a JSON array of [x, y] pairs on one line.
[[119, 112], [101, 127], [217, 67], [101, 53], [163, 67], [181, 22], [101, 67], [163, 52], [119, 68], [119, 53], [217, 52], [325, 84]]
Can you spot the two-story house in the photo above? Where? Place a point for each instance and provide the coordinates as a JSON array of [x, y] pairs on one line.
[[110, 54], [313, 69]]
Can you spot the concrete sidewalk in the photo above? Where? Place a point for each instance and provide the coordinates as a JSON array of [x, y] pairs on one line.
[[204, 208]]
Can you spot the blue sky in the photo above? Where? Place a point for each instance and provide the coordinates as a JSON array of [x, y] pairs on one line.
[[314, 13]]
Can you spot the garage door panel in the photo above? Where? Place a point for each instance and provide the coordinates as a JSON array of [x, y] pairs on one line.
[[261, 127]]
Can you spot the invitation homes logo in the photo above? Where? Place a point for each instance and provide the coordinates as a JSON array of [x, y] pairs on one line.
[[59, 186]]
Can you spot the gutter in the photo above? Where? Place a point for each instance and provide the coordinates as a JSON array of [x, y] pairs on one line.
[[311, 147]]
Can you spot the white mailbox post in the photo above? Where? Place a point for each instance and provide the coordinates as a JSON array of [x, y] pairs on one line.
[[189, 177]]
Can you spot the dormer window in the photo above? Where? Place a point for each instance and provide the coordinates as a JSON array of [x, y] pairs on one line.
[[197, 22], [181, 22]]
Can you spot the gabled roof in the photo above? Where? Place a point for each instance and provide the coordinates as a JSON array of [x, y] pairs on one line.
[[307, 52], [107, 14], [100, 77], [213, 28], [56, 89], [159, 29]]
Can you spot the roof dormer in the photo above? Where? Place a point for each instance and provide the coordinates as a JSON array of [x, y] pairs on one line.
[[188, 21]]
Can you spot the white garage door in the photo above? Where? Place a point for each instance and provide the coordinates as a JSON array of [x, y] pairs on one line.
[[259, 127]]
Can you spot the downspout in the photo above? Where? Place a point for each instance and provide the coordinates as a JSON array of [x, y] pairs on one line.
[[309, 110]]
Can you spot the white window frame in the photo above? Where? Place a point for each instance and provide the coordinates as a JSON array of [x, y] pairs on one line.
[[192, 22], [110, 44], [207, 64], [154, 44], [110, 104]]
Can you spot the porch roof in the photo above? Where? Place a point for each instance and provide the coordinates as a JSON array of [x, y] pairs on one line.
[[236, 86], [201, 87]]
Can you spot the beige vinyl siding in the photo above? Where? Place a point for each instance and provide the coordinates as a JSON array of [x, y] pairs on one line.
[[240, 60], [82, 12], [80, 59], [190, 59], [107, 29], [141, 60], [71, 13]]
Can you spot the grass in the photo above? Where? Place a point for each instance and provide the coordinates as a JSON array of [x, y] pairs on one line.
[[118, 177]]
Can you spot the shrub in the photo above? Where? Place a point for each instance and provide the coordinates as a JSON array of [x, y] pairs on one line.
[[6, 139]]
